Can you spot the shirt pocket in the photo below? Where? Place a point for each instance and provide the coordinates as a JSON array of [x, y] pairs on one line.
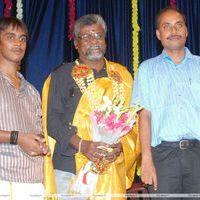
[[162, 97]]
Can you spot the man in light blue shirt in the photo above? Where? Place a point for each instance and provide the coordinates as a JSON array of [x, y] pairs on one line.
[[168, 87]]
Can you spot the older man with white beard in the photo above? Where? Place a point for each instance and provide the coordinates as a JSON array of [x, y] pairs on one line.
[[71, 99]]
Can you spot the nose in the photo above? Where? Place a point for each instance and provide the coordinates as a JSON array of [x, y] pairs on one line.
[[18, 42], [174, 29], [94, 39]]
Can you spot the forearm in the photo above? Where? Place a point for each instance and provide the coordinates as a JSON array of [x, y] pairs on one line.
[[5, 136], [148, 171], [31, 143], [145, 133], [79, 144], [88, 148], [75, 142]]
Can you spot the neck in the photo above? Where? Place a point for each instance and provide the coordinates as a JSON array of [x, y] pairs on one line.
[[97, 64], [176, 55], [9, 68]]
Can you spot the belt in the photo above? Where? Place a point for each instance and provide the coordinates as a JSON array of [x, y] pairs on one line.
[[182, 144]]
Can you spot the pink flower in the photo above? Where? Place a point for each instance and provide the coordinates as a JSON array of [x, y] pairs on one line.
[[124, 117], [126, 129], [110, 122], [98, 116]]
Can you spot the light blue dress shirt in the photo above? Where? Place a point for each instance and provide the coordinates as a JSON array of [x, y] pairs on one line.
[[171, 93]]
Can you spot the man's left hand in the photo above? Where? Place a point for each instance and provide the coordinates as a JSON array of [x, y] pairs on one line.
[[43, 146], [113, 155]]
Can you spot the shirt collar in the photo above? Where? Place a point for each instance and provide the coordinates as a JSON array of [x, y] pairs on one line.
[[164, 54], [23, 81]]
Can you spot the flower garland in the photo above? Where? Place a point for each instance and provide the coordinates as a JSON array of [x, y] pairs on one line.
[[19, 9], [84, 76], [7, 8], [136, 30], [118, 86], [71, 18]]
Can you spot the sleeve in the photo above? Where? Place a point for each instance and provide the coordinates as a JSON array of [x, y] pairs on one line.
[[141, 91], [37, 112], [58, 127]]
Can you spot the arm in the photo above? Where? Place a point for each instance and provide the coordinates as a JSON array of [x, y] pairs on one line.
[[58, 126], [5, 136], [32, 144], [88, 148], [148, 169], [60, 112]]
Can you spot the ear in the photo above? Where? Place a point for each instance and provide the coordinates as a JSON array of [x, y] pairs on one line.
[[75, 44], [157, 34], [186, 32]]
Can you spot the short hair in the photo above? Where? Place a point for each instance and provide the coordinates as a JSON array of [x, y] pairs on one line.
[[14, 23], [87, 20], [160, 13]]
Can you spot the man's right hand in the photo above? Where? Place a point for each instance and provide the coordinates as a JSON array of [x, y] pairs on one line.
[[31, 143], [93, 151], [148, 173]]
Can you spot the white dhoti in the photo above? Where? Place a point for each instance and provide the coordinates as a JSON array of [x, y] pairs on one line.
[[21, 191]]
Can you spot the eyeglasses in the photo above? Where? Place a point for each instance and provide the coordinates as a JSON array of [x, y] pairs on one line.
[[169, 27], [91, 36]]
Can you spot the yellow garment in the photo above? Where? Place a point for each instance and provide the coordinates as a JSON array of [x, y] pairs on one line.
[[113, 182], [49, 178], [120, 174]]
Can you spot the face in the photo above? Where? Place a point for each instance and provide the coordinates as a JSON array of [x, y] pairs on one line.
[[90, 42], [12, 44], [172, 31]]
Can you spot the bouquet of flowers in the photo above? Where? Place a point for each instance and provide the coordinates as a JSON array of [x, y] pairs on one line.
[[109, 123], [112, 121]]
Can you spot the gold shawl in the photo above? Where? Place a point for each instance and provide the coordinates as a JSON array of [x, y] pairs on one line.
[[49, 178], [120, 174], [112, 182]]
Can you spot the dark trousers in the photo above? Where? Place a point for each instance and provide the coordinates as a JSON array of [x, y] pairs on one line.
[[178, 170]]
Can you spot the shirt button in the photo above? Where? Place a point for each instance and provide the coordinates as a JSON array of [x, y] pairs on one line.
[[70, 125]]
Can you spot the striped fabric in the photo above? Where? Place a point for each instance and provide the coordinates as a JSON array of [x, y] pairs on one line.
[[172, 94], [19, 110]]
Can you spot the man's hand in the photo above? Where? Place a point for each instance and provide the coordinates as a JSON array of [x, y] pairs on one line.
[[116, 150], [45, 149], [93, 150], [33, 144], [148, 173]]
